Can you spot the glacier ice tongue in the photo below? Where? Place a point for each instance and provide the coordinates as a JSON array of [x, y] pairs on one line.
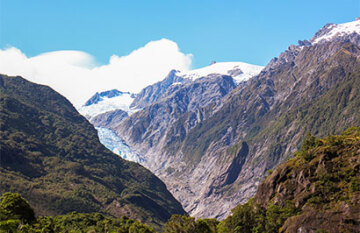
[[114, 143]]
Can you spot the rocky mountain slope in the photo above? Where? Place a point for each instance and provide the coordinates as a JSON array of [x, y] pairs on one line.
[[52, 156], [238, 71], [106, 110], [212, 141], [317, 191]]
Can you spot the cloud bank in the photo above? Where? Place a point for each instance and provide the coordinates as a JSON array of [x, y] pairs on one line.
[[75, 75]]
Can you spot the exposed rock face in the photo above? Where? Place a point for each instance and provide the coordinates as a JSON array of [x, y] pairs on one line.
[[152, 93], [109, 119], [154, 127], [212, 147], [239, 71]]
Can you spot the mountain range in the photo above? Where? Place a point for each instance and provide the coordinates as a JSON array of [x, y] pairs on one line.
[[212, 134]]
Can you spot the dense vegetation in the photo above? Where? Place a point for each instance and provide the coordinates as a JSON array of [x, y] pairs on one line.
[[16, 215], [52, 156]]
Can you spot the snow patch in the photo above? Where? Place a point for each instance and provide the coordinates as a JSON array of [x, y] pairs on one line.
[[176, 83], [240, 71]]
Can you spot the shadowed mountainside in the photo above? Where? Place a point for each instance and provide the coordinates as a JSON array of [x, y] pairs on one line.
[[52, 156]]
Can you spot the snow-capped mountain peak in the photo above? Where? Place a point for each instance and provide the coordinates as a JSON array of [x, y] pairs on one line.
[[240, 71], [331, 31], [97, 97], [107, 101]]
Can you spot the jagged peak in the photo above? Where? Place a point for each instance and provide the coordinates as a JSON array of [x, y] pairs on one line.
[[98, 96], [331, 31], [107, 101]]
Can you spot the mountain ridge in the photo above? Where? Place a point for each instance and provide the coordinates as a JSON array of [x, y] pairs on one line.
[[205, 153]]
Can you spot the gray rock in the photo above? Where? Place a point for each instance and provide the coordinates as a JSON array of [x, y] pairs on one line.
[[109, 119]]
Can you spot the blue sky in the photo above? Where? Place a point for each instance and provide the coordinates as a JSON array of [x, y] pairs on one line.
[[248, 31]]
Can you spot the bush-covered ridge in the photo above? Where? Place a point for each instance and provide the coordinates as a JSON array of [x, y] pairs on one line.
[[52, 156]]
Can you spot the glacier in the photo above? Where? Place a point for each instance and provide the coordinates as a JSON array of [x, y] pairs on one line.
[[114, 143]]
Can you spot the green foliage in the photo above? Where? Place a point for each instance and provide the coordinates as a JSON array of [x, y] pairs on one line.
[[245, 218], [18, 213], [137, 227], [251, 218], [207, 225], [276, 216], [308, 143], [13, 206], [10, 225], [355, 184], [186, 224], [94, 222]]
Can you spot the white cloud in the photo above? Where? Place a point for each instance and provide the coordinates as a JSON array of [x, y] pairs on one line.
[[74, 74]]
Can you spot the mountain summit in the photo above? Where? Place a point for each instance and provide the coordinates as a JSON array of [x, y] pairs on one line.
[[332, 32]]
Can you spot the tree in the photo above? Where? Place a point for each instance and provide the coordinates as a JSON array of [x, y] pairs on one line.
[[14, 207], [186, 224]]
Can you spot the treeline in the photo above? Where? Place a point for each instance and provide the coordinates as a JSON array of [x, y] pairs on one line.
[[16, 215]]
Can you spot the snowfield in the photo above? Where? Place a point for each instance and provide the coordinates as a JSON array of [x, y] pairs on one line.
[[240, 71], [122, 102]]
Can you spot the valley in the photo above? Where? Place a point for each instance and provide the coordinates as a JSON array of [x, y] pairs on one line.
[[223, 148], [211, 135]]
